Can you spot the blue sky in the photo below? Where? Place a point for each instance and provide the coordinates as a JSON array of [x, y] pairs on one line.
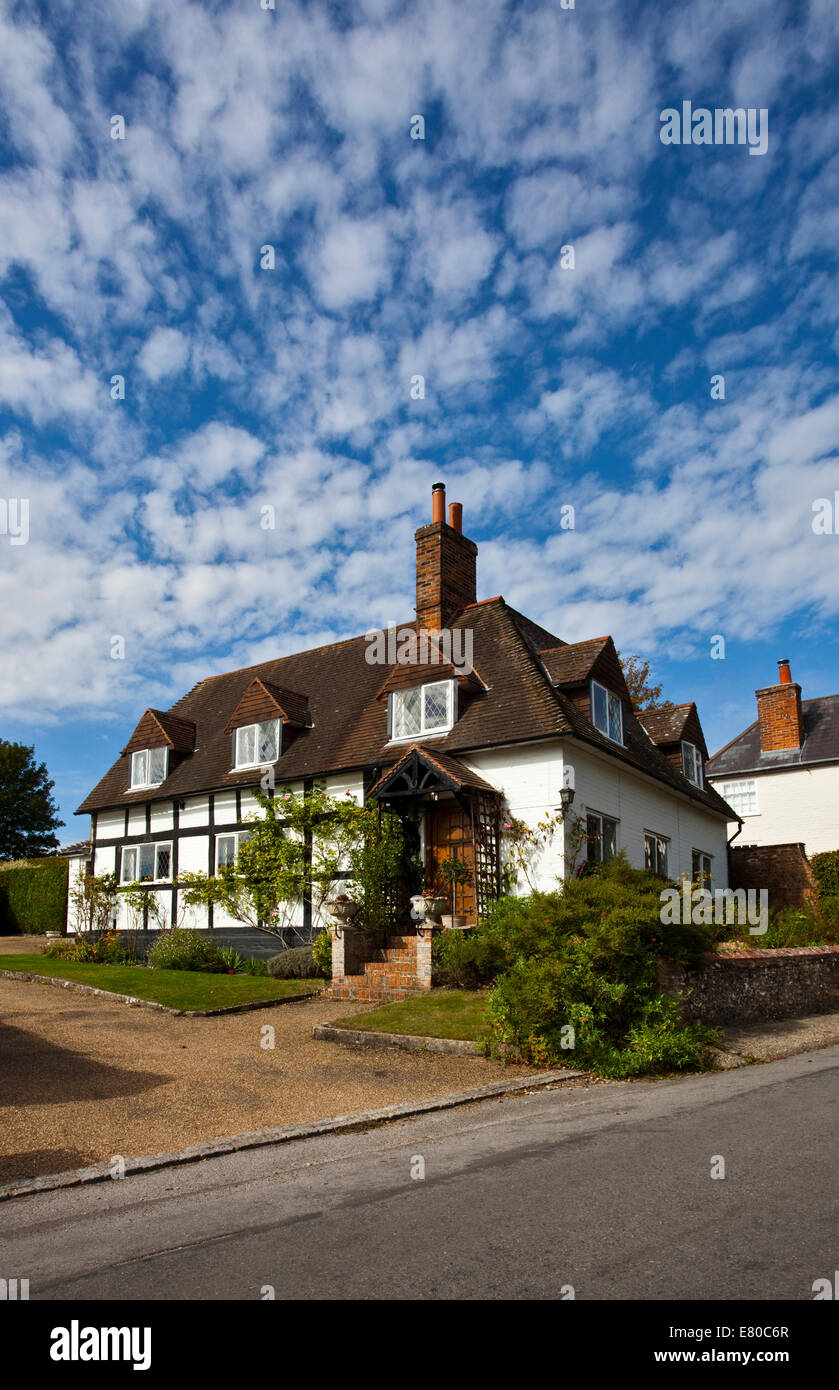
[[395, 257]]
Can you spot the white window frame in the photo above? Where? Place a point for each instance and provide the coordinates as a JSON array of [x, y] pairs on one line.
[[726, 791], [598, 844], [238, 835], [612, 703], [146, 753], [696, 780], [425, 730], [659, 840], [257, 762], [157, 846], [702, 854]]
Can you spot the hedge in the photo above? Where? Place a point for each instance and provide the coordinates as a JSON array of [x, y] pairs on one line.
[[825, 868], [33, 896]]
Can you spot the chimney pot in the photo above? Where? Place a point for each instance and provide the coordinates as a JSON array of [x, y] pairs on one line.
[[456, 516], [784, 675], [438, 502]]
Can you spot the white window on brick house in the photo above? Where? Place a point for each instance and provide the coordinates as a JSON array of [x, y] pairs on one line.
[[606, 712], [257, 745], [148, 767], [655, 852], [601, 838], [227, 847], [741, 796], [692, 763], [700, 868], [426, 709], [146, 863]]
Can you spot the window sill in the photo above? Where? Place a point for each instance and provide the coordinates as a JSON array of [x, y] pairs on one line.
[[420, 738]]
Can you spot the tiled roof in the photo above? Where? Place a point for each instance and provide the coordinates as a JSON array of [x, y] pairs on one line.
[[571, 663], [348, 724], [665, 725], [820, 745]]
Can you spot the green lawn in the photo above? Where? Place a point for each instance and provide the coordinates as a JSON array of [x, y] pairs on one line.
[[442, 1013], [179, 989]]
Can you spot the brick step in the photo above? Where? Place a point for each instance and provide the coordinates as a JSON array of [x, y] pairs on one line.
[[366, 994]]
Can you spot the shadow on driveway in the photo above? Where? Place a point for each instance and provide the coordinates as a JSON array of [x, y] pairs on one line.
[[35, 1071]]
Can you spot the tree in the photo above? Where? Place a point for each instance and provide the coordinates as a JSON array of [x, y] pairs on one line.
[[305, 846], [28, 814], [642, 693]]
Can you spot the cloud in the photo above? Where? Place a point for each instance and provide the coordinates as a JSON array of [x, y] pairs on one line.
[[164, 353]]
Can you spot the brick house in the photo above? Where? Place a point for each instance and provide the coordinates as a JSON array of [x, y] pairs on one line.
[[781, 774], [463, 742]]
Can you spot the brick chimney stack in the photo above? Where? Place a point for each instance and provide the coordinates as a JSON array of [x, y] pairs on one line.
[[779, 713], [446, 565]]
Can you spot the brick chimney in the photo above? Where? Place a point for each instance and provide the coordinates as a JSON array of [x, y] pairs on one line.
[[446, 570], [779, 713]]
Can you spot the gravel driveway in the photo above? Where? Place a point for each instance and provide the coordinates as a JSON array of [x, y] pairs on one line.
[[82, 1080]]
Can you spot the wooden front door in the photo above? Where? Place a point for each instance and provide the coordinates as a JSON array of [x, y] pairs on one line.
[[448, 835]]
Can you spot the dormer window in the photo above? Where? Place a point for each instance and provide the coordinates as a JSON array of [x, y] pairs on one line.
[[426, 709], [606, 712], [692, 763], [257, 745], [148, 767]]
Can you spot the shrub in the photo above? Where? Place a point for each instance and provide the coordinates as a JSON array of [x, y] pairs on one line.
[[183, 949], [60, 950], [584, 959], [230, 959], [806, 924], [322, 954], [254, 967], [464, 960], [33, 897], [826, 873], [109, 949], [296, 964]]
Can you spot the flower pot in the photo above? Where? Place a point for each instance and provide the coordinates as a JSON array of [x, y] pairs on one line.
[[428, 908], [343, 911], [455, 922]]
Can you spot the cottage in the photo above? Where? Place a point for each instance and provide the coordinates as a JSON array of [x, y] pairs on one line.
[[781, 774], [527, 725]]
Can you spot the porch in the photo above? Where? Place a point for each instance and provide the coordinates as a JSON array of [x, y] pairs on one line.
[[459, 818]]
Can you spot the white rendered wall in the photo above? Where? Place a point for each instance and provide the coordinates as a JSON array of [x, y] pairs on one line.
[[531, 777], [801, 804]]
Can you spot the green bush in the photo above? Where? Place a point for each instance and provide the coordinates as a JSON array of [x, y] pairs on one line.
[[579, 967], [322, 954], [464, 960], [183, 949], [825, 868], [108, 949], [33, 897], [230, 959], [296, 964], [254, 967], [812, 923], [61, 950]]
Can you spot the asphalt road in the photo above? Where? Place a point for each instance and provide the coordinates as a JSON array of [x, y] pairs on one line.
[[606, 1189]]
